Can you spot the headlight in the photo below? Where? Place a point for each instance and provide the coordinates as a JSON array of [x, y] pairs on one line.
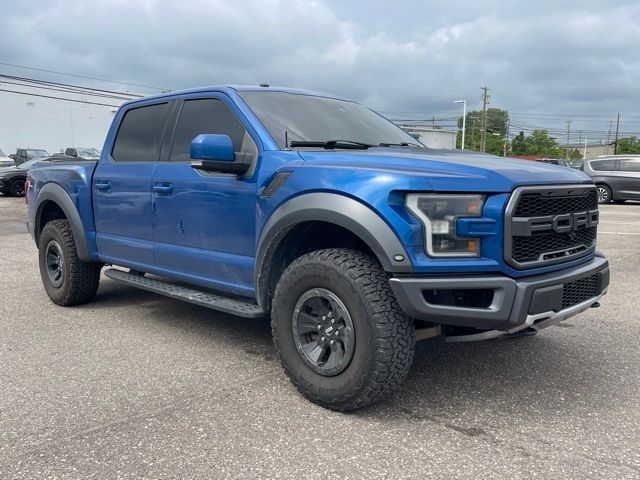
[[439, 214]]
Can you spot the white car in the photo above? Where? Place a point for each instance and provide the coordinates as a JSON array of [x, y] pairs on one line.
[[6, 161]]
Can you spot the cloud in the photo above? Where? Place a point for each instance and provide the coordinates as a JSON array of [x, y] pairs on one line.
[[542, 56]]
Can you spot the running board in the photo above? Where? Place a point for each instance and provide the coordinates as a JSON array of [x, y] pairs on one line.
[[204, 299]]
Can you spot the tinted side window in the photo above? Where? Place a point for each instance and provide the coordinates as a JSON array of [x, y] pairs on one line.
[[207, 115], [603, 165], [139, 136], [630, 164]]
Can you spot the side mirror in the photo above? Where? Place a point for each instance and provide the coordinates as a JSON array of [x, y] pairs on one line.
[[214, 152]]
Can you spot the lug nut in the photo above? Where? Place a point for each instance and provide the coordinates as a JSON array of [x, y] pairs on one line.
[[322, 339], [331, 342], [319, 327], [333, 320], [324, 318]]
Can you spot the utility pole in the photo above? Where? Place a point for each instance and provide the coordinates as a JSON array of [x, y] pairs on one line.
[[464, 120], [615, 146], [506, 138], [584, 152], [568, 137], [483, 137], [609, 138]]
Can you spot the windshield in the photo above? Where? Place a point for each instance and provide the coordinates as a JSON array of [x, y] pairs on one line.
[[37, 153], [311, 118]]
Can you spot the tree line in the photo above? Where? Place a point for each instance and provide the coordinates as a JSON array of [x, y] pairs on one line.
[[538, 142]]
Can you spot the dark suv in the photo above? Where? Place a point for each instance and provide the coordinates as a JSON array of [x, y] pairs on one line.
[[617, 177]]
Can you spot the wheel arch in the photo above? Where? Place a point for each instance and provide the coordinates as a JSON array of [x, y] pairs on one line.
[[302, 219], [53, 202]]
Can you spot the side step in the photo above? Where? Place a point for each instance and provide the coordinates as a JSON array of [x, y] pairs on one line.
[[204, 299]]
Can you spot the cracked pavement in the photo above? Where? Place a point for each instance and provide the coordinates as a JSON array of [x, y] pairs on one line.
[[135, 385]]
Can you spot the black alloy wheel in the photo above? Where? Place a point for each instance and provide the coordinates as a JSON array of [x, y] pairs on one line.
[[323, 331]]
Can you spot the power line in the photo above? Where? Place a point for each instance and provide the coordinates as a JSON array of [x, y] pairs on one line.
[[68, 85], [82, 76], [58, 98]]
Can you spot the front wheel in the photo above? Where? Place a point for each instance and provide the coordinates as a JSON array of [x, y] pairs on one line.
[[67, 279], [338, 330]]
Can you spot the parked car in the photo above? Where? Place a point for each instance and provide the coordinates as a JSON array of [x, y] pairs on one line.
[[322, 215], [83, 153], [616, 177], [25, 154], [556, 161], [12, 179], [6, 161]]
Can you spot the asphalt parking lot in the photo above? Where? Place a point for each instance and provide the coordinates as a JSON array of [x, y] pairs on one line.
[[136, 385]]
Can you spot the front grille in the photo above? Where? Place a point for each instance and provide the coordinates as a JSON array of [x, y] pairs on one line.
[[534, 204], [527, 249], [579, 291], [548, 225]]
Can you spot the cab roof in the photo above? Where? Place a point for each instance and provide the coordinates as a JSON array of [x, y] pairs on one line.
[[235, 89]]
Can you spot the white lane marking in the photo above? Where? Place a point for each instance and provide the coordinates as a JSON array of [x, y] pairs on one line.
[[617, 222]]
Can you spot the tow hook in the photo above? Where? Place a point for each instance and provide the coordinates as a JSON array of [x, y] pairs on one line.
[[595, 305]]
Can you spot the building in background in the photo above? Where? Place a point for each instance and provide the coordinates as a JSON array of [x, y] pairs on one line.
[[433, 137], [53, 118], [593, 150]]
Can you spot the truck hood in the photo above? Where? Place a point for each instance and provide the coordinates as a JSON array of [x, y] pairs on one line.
[[452, 170]]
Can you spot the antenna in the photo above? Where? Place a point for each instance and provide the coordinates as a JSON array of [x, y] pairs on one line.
[[286, 140]]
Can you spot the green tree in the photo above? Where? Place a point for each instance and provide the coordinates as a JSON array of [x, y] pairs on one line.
[[497, 124], [628, 145], [538, 143], [519, 145]]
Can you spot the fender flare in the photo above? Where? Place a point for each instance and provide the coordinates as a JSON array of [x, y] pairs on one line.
[[340, 210], [55, 193]]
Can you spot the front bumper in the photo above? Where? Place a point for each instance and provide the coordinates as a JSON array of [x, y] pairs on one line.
[[536, 301]]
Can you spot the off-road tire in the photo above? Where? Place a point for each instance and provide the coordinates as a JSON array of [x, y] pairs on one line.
[[384, 334], [16, 188], [80, 279]]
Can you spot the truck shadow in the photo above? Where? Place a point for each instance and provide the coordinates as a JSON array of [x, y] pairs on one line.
[[522, 376]]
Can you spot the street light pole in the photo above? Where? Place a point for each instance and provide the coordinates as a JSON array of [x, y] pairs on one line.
[[464, 120]]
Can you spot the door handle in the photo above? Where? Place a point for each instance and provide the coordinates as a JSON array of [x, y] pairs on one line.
[[103, 186], [163, 189]]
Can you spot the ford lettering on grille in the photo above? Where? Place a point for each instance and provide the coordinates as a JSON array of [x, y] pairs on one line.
[[544, 226]]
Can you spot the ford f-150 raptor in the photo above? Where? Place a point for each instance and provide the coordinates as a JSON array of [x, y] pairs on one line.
[[317, 212]]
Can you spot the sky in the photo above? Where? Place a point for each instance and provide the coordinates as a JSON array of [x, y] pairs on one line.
[[545, 61]]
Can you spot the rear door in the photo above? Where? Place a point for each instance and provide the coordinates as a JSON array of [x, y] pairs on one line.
[[628, 181], [122, 186], [204, 222]]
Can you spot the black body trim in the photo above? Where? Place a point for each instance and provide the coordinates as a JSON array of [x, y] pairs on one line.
[[339, 210], [56, 194], [514, 299]]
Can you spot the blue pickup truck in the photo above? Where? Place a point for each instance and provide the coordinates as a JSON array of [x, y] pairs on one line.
[[355, 239]]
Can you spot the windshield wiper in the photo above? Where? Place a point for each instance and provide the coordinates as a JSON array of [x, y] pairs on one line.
[[403, 144], [331, 144]]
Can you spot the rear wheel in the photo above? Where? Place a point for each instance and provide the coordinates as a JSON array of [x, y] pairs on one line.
[[66, 279], [604, 194], [16, 188], [340, 335]]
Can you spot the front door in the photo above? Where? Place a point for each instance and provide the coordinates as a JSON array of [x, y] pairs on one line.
[[122, 188], [204, 223]]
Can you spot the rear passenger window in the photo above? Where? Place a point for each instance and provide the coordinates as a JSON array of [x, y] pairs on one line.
[[603, 165], [140, 133], [630, 164], [207, 115]]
